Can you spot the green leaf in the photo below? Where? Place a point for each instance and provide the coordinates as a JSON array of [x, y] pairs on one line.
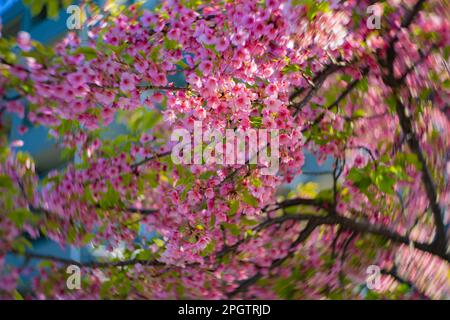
[[413, 159], [21, 244], [6, 182], [145, 255], [391, 102], [256, 122], [89, 53], [385, 183], [21, 216], [359, 178], [206, 175], [359, 113], [209, 248], [249, 199], [326, 195], [105, 288], [36, 7], [234, 206], [154, 54], [45, 264], [363, 84], [180, 290], [403, 288], [152, 179], [233, 228], [88, 238], [249, 222], [17, 295], [256, 182], [312, 7], [158, 242], [170, 44], [52, 8], [290, 68], [128, 59], [182, 64]]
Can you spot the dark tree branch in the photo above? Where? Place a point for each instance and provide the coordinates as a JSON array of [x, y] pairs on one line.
[[440, 241], [334, 243], [412, 14], [295, 202], [165, 88], [427, 179], [348, 89], [304, 234], [148, 159], [350, 224], [142, 211], [422, 58], [318, 82], [344, 253], [341, 97], [14, 98], [143, 86], [393, 273], [317, 173]]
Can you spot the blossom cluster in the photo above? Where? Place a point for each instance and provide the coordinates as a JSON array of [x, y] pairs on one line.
[[311, 70]]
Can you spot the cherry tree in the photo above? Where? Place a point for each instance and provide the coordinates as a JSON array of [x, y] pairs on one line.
[[374, 100]]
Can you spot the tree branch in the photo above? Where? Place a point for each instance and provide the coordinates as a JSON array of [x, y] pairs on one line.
[[362, 227], [427, 179], [341, 97], [148, 159], [304, 234], [318, 82], [393, 273], [440, 240]]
